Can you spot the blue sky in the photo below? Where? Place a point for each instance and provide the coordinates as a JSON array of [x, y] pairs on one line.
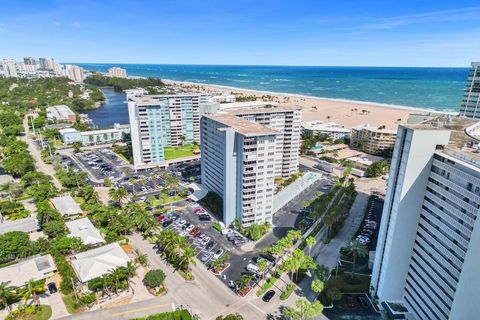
[[265, 32]]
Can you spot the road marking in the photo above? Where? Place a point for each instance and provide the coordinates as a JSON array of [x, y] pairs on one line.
[[141, 309]]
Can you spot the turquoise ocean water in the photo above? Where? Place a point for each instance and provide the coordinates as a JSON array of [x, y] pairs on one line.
[[434, 88]]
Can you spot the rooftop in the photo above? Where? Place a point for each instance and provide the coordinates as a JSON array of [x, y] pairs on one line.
[[99, 261], [155, 99], [66, 205], [36, 268], [464, 142], [374, 128], [269, 108], [248, 104], [326, 126], [27, 225], [85, 230], [242, 126]]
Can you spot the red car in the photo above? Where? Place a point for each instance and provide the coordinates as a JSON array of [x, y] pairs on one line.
[[160, 218], [199, 210], [195, 232]]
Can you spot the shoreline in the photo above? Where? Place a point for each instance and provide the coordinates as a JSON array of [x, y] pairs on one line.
[[273, 93]]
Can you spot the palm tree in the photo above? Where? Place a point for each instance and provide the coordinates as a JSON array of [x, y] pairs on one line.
[[244, 281], [356, 249], [116, 274], [6, 292], [317, 286], [132, 181], [118, 194], [34, 287], [130, 270], [310, 243]]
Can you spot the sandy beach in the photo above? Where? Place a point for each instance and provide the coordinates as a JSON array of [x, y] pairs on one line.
[[344, 112]]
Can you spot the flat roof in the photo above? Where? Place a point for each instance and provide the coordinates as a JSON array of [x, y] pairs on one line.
[[242, 126], [85, 230], [155, 99], [264, 109], [369, 127], [67, 130], [27, 225], [285, 195], [66, 205], [101, 131], [247, 104], [36, 268]]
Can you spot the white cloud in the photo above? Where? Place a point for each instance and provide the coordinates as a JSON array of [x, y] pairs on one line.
[[76, 24], [56, 23], [461, 14]]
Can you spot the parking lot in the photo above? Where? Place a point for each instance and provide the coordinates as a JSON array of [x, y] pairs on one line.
[[208, 241], [368, 231], [101, 164]]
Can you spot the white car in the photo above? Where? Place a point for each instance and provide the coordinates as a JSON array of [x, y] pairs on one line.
[[181, 222], [190, 228], [205, 240], [183, 234], [206, 256], [218, 254]]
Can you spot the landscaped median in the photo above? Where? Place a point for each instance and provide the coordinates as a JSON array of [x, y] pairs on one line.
[[175, 315]]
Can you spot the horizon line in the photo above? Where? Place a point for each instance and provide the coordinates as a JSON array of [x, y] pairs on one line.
[[265, 65]]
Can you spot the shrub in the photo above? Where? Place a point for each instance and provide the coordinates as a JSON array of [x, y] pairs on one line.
[[154, 278], [88, 299], [287, 292], [217, 227], [256, 231]]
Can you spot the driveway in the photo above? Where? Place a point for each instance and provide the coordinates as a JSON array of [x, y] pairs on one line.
[[56, 303]]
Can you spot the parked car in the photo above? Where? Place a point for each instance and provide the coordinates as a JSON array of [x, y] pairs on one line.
[[350, 302], [205, 257], [268, 296], [166, 223], [218, 254], [190, 228], [210, 245], [204, 217], [52, 288]]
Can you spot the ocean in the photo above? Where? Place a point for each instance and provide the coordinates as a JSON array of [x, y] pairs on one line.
[[433, 88]]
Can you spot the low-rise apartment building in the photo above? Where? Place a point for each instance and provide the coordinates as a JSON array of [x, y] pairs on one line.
[[373, 140], [61, 113], [333, 130]]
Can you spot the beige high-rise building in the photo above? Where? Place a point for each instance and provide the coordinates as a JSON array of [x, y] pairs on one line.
[[117, 72], [75, 73]]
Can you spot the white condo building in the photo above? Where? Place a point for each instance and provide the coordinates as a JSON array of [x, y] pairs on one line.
[[117, 72], [238, 160], [426, 263], [243, 151], [333, 130], [470, 106], [9, 68], [157, 121]]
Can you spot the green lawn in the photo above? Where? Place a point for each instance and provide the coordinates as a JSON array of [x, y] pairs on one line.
[[179, 152], [70, 303], [43, 312], [167, 200]]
